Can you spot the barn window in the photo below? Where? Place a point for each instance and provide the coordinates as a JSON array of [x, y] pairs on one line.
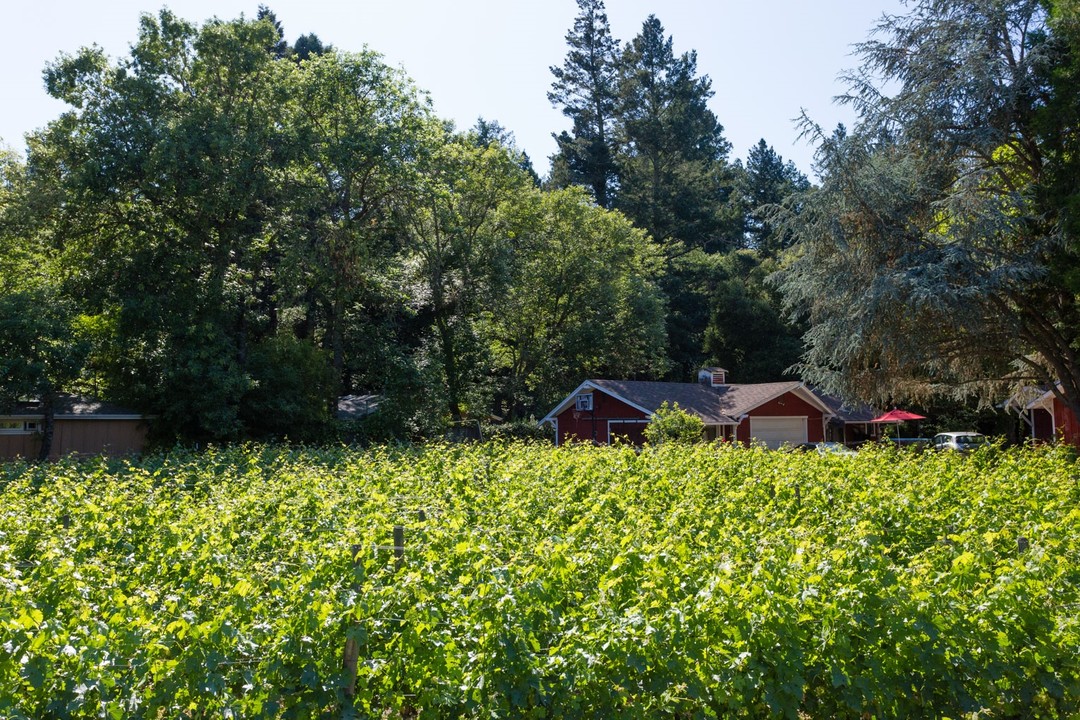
[[17, 427]]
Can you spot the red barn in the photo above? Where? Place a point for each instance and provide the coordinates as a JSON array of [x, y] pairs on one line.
[[771, 413], [1050, 419]]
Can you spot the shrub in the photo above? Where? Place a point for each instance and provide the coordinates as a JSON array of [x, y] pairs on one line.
[[672, 424]]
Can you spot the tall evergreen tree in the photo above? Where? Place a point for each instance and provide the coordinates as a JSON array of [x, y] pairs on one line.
[[767, 181], [279, 48], [585, 87], [307, 46], [673, 179]]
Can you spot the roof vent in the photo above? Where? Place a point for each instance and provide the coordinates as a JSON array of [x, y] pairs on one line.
[[712, 376]]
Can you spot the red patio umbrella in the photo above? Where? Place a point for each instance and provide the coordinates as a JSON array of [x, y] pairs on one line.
[[897, 416]]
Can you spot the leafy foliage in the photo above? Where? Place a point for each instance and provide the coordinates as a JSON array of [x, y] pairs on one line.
[[581, 300], [747, 329], [683, 581], [938, 252], [227, 232], [586, 87], [672, 424]]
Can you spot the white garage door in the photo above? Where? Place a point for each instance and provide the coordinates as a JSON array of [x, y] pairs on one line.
[[776, 431]]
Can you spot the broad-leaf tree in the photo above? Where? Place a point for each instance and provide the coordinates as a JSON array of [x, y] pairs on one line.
[[582, 300], [43, 345], [454, 256], [358, 127], [168, 160]]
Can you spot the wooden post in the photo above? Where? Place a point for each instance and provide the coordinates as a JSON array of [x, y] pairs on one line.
[[399, 546], [352, 648]]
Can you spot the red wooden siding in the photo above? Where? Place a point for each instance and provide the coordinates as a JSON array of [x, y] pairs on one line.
[[1067, 428], [627, 432], [787, 405], [593, 426], [1043, 425]]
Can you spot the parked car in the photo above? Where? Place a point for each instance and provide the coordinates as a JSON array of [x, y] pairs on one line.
[[823, 448], [910, 443], [834, 448], [964, 441]]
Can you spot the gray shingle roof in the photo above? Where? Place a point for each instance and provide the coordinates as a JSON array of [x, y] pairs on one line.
[[716, 406], [846, 413], [355, 407], [68, 405]]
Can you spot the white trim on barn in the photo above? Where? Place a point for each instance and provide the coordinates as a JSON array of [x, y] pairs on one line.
[[624, 421], [570, 399], [18, 426]]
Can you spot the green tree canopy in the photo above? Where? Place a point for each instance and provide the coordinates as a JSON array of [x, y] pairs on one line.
[[166, 162], [766, 182], [673, 179], [43, 343], [586, 87], [938, 252], [747, 332], [455, 256], [236, 235], [581, 301], [215, 198]]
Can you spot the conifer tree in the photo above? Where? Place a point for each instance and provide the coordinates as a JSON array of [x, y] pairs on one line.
[[585, 88], [280, 48], [940, 253], [767, 181], [673, 179]]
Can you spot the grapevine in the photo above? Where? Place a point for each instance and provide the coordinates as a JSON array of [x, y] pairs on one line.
[[677, 582]]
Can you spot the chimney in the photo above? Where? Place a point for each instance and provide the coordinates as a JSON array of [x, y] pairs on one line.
[[712, 376]]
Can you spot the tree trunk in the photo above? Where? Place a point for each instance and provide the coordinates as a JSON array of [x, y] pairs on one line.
[[449, 352], [47, 425]]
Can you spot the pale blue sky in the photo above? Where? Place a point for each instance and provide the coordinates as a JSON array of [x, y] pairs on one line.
[[768, 59]]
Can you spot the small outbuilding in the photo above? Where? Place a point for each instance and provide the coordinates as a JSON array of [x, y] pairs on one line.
[[1047, 417], [81, 426]]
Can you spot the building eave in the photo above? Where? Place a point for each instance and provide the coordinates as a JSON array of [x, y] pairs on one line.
[[797, 388], [590, 385]]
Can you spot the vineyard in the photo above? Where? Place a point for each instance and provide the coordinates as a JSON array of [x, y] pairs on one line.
[[530, 581]]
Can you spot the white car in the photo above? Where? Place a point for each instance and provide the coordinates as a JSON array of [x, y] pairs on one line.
[[965, 441], [834, 448]]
